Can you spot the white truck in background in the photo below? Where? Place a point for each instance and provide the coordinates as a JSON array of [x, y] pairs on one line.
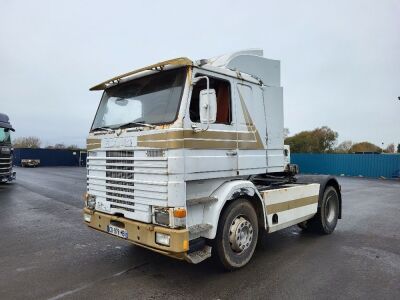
[[187, 158], [6, 150]]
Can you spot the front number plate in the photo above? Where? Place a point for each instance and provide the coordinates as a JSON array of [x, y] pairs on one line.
[[117, 231]]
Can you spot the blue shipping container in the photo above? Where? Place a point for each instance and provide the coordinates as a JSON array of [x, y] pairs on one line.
[[368, 165], [51, 157]]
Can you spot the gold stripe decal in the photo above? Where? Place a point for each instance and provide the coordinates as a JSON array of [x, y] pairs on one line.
[[189, 139], [92, 144], [283, 206]]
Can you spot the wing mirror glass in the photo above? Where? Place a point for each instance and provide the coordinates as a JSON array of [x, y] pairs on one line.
[[208, 106]]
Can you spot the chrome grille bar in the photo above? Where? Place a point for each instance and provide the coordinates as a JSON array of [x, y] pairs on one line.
[[129, 180]]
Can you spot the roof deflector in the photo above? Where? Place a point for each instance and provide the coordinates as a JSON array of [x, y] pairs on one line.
[[250, 62], [223, 60]]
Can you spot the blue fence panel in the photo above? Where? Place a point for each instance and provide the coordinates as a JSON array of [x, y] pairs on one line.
[[51, 157], [368, 165]]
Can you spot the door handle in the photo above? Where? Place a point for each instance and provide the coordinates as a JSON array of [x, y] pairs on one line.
[[231, 153]]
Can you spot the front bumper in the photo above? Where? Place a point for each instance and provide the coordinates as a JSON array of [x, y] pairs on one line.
[[8, 177], [143, 234]]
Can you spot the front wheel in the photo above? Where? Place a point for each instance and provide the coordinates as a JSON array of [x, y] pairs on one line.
[[237, 235]]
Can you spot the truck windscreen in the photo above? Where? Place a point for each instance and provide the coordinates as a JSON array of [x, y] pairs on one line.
[[5, 136], [152, 99]]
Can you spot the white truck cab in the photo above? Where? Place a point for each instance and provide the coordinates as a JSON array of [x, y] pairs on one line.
[[6, 150], [186, 158]]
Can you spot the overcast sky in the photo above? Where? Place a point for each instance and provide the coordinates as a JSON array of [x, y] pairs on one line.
[[340, 59]]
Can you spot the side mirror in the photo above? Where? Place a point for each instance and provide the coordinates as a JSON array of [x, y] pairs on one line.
[[208, 106]]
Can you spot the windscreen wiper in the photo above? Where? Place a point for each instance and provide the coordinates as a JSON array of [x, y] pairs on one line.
[[137, 123], [103, 128]]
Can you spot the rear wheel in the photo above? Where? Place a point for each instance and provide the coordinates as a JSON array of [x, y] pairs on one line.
[[325, 220], [237, 235]]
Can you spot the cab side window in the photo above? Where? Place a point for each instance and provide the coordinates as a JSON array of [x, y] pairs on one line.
[[223, 92]]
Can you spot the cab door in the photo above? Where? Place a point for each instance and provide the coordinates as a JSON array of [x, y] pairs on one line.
[[251, 126], [212, 150]]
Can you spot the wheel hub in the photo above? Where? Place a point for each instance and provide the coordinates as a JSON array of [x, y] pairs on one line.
[[240, 234]]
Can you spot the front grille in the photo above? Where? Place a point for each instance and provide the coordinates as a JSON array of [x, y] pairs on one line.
[[123, 208], [128, 182], [118, 195], [120, 189], [120, 201], [117, 170], [119, 154], [119, 175], [119, 182], [5, 164], [123, 168]]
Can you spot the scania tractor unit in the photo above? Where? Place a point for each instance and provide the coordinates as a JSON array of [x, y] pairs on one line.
[[187, 159], [6, 151]]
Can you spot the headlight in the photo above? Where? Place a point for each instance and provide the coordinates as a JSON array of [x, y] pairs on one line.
[[174, 217], [163, 239], [161, 216], [90, 201]]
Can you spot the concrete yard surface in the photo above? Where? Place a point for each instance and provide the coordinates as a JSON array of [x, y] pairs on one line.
[[47, 252]]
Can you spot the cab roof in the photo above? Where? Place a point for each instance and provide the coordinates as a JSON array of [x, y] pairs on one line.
[[5, 122], [250, 62]]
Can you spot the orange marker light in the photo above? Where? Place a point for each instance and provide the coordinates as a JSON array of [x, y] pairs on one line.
[[179, 213], [185, 245]]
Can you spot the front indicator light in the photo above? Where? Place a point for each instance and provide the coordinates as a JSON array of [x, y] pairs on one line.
[[163, 239], [179, 212], [179, 217], [87, 217]]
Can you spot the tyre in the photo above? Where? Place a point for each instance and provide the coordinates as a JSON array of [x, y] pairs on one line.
[[327, 216], [237, 235]]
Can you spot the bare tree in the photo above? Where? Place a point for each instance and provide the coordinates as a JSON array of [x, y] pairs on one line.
[[285, 132], [344, 147], [59, 146], [73, 147], [63, 146], [27, 142], [390, 148]]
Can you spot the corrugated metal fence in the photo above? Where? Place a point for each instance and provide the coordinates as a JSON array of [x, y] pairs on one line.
[[368, 165], [51, 157]]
